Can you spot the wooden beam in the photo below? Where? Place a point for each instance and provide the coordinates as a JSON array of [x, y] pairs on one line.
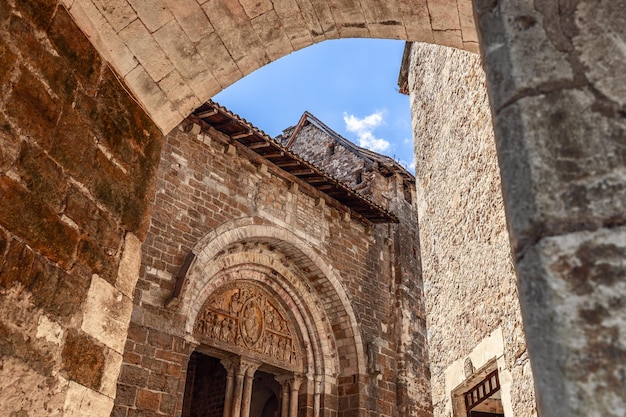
[[241, 135], [207, 113], [298, 172], [257, 145], [287, 164], [273, 155]]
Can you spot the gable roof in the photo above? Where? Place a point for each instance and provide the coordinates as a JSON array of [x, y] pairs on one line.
[[240, 130], [388, 166]]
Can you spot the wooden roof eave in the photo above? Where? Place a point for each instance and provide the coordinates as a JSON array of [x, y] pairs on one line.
[[259, 142]]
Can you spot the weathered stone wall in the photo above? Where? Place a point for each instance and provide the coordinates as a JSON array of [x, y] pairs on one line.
[[361, 170], [346, 164], [77, 164], [556, 86], [471, 296], [204, 186]]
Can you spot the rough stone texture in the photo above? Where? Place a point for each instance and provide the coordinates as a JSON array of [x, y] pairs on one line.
[[77, 165], [558, 115], [213, 43], [238, 214], [468, 275]]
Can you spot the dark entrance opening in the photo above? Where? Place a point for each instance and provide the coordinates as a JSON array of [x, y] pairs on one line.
[[205, 387], [265, 394]]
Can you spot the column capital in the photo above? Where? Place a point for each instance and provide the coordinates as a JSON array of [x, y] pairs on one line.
[[292, 381], [229, 364], [248, 367]]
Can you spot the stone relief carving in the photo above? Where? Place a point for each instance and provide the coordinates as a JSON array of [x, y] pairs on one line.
[[247, 317]]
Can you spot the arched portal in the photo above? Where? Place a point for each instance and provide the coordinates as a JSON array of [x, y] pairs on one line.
[[257, 340], [252, 297], [175, 55]]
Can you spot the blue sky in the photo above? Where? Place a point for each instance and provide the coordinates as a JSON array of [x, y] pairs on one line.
[[349, 84]]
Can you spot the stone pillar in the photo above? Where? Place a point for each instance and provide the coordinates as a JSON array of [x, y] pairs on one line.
[[555, 76], [317, 392], [238, 391], [283, 380], [230, 373], [294, 384], [250, 369]]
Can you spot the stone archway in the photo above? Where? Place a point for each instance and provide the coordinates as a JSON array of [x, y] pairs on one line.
[[249, 327], [242, 254], [212, 256], [174, 55]]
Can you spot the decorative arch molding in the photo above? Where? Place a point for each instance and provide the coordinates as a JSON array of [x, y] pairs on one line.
[[313, 328], [299, 274], [226, 40]]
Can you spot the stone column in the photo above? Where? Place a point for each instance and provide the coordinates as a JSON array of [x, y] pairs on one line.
[[293, 401], [250, 368], [230, 373], [283, 380], [555, 76], [238, 391], [317, 392]]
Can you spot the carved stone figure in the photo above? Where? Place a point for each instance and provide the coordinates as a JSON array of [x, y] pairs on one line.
[[247, 317]]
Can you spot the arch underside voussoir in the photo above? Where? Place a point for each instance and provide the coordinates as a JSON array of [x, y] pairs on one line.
[[174, 55]]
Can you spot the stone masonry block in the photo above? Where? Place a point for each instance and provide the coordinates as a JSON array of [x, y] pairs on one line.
[[324, 15], [601, 49], [191, 18], [179, 93], [33, 108], [153, 99], [180, 50], [83, 360], [444, 15], [218, 59], [154, 14], [117, 12], [466, 20], [146, 49], [518, 55], [112, 366], [102, 35], [453, 38], [129, 265], [74, 47], [84, 402], [269, 28], [256, 8], [41, 175], [417, 21], [565, 181], [107, 314], [36, 223], [40, 12]]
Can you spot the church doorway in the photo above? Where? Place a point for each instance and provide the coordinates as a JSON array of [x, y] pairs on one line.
[[234, 387], [205, 388]]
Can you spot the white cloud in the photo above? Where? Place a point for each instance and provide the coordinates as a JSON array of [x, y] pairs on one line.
[[364, 130]]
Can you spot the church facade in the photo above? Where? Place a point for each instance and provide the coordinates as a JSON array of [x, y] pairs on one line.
[[99, 316]]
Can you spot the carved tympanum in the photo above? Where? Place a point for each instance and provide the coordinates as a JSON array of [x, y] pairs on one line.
[[247, 316]]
